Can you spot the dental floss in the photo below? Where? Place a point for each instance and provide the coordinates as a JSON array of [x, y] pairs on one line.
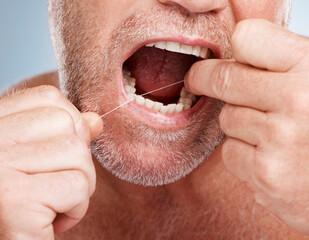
[[144, 94]]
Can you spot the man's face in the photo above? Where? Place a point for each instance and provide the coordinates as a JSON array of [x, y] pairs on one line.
[[145, 142]]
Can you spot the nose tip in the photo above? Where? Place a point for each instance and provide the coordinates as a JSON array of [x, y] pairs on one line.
[[199, 6]]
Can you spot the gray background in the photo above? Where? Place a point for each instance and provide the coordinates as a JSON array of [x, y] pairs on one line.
[[25, 46]]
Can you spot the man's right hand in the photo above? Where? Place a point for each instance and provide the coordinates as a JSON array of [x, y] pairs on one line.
[[46, 171]]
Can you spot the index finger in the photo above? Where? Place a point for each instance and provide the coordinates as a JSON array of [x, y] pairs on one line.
[[43, 96], [266, 45], [235, 83]]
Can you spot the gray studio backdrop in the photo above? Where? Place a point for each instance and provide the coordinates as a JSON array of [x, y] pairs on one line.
[[25, 46]]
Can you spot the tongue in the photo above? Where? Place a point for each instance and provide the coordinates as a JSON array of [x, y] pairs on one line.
[[154, 68]]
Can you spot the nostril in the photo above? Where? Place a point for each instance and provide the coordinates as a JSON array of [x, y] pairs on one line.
[[199, 6]]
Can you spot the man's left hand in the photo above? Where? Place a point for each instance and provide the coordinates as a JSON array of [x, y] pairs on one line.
[[266, 116]]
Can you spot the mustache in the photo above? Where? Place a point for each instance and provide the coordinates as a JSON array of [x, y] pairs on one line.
[[167, 20], [85, 60]]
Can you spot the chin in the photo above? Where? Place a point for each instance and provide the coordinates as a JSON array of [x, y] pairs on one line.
[[158, 138], [143, 154], [161, 136]]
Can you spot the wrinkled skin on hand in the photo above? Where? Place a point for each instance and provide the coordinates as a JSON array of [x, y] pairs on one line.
[[46, 171], [266, 117]]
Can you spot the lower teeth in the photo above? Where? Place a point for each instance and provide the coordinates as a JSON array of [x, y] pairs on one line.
[[186, 100]]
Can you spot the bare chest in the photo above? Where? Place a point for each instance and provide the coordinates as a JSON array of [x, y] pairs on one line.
[[218, 217]]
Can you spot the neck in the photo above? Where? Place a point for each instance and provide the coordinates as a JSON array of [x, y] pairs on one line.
[[208, 202], [185, 191]]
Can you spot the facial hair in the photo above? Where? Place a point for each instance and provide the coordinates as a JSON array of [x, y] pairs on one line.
[[88, 68]]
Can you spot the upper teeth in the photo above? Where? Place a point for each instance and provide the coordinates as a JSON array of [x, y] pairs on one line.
[[185, 102], [181, 48]]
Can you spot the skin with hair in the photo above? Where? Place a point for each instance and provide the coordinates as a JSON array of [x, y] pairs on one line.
[[179, 183]]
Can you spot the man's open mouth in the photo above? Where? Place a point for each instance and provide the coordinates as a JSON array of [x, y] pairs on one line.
[[157, 65]]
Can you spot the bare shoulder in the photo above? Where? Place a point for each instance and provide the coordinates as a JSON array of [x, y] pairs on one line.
[[50, 78]]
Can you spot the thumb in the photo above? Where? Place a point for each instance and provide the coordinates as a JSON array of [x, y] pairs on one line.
[[94, 123]]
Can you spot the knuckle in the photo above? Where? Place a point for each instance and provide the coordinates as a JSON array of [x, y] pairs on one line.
[[63, 118], [228, 150], [281, 133], [78, 147], [83, 129], [245, 29], [275, 130], [223, 121], [92, 187], [297, 102], [285, 134], [79, 183], [241, 29], [49, 92], [266, 174], [84, 158], [271, 129], [222, 82], [83, 149]]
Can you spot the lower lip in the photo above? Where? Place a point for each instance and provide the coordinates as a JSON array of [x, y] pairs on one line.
[[156, 119]]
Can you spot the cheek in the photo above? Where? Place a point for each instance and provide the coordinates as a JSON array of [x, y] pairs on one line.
[[272, 10], [116, 10], [110, 13]]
